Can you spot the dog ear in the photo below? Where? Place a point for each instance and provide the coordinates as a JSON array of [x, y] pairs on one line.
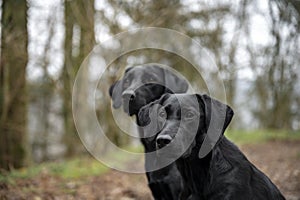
[[214, 109], [217, 118], [148, 122], [143, 115], [149, 112], [175, 83], [115, 92]]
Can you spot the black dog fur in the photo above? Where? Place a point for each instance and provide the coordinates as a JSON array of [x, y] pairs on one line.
[[139, 86], [224, 173]]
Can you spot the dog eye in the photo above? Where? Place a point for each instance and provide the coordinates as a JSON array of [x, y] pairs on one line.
[[162, 114], [126, 82], [150, 79], [189, 114]]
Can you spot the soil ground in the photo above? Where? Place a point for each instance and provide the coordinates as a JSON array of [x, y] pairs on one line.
[[280, 160]]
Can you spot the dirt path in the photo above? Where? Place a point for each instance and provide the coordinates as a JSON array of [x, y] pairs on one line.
[[279, 160]]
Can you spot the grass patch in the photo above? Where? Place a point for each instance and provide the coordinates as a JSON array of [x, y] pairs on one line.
[[259, 136], [69, 169], [298, 154], [134, 148], [77, 168], [122, 158]]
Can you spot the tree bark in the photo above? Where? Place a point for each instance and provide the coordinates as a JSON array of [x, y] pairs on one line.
[[81, 14], [13, 97]]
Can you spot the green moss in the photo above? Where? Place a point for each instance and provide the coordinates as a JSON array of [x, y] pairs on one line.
[[77, 168], [70, 169], [298, 155]]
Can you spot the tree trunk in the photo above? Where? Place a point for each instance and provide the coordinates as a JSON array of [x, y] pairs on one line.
[[13, 98], [81, 14]]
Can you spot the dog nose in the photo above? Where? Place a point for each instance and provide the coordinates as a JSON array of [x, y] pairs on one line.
[[130, 95], [163, 140]]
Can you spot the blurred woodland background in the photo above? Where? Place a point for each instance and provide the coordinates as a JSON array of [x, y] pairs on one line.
[[255, 45]]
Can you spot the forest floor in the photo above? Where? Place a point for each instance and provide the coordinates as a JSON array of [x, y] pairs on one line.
[[280, 160]]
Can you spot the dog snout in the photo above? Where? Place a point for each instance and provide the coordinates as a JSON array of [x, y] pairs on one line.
[[163, 140], [129, 95]]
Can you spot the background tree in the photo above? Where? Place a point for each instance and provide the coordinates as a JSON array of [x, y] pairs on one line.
[[13, 96], [261, 78], [276, 71], [79, 41]]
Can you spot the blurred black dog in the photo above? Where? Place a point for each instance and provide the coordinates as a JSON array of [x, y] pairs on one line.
[[139, 86], [224, 173]]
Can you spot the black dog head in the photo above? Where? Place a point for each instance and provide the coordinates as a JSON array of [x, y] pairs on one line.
[[183, 122], [143, 84]]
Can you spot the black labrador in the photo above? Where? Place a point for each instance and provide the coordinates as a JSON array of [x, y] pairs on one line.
[[224, 172], [139, 86]]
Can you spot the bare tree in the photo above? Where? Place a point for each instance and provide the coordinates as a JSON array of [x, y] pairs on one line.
[[276, 81]]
